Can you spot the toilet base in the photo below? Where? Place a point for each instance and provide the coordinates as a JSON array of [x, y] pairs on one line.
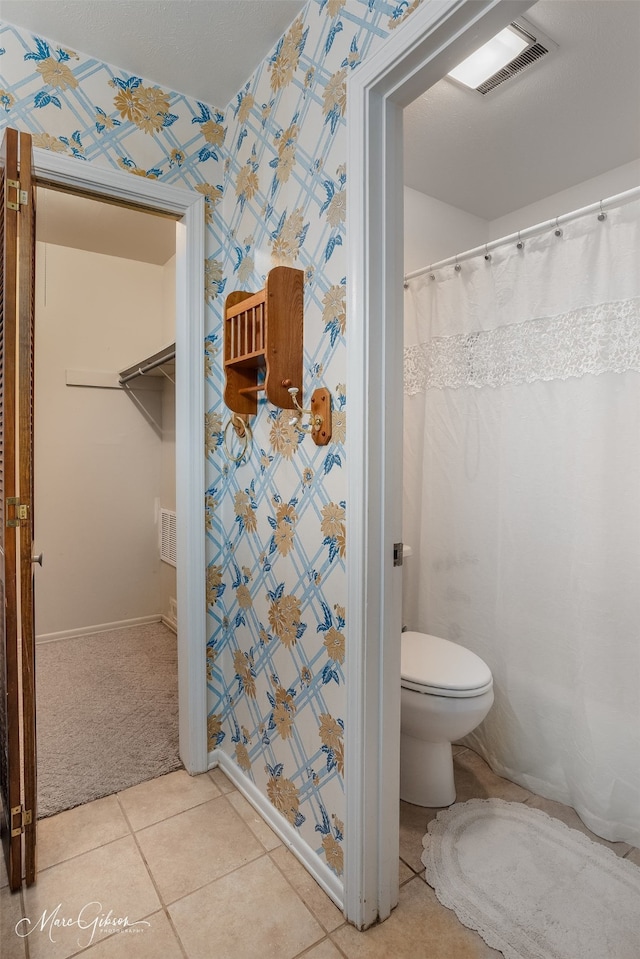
[[426, 772]]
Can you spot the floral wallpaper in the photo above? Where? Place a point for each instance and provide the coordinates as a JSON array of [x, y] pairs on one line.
[[271, 165]]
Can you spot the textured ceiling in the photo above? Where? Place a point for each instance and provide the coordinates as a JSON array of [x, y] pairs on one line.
[[569, 117], [206, 49]]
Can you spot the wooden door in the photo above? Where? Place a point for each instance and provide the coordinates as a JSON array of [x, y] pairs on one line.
[[17, 650], [26, 317]]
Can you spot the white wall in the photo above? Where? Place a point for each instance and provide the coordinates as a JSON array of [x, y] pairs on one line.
[[169, 301], [434, 230], [97, 458], [168, 589], [608, 184]]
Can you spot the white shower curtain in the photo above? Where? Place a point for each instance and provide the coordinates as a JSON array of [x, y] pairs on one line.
[[522, 502]]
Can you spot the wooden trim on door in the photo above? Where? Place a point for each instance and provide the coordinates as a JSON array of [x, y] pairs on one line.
[[26, 311], [9, 681]]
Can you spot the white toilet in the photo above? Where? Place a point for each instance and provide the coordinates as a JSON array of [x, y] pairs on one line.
[[446, 692]]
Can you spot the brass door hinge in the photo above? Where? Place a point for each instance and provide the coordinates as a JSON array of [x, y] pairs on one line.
[[21, 513], [22, 197], [20, 817]]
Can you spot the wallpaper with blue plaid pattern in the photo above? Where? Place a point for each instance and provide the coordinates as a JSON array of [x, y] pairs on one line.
[[271, 165]]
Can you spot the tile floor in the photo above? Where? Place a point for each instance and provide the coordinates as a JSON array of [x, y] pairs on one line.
[[210, 880]]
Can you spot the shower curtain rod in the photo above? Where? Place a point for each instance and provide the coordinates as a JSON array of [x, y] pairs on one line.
[[599, 207]]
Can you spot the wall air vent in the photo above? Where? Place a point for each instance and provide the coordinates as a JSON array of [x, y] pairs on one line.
[[168, 552]]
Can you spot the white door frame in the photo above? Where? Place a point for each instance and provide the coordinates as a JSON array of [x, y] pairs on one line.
[[434, 39], [190, 475]]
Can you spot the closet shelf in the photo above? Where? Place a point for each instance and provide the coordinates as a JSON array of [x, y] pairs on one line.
[[155, 365]]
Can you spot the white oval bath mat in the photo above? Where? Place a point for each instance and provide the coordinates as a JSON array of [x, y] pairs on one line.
[[531, 886]]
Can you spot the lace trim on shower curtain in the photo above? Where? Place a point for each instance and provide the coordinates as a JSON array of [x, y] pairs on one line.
[[599, 339]]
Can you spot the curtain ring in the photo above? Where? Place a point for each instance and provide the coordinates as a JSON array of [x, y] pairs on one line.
[[602, 215], [487, 255], [520, 243], [243, 432], [432, 276], [558, 231], [457, 267], [406, 283]]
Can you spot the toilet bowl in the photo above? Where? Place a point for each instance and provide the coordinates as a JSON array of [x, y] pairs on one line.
[[446, 691]]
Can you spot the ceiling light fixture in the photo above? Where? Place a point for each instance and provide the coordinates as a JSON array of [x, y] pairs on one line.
[[491, 57], [514, 49]]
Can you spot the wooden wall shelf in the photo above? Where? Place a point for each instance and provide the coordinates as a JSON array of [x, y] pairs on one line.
[[263, 342]]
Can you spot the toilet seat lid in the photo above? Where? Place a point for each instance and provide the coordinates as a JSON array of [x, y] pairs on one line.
[[433, 665]]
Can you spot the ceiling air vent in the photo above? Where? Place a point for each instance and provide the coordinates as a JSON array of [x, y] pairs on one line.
[[526, 59], [533, 46]]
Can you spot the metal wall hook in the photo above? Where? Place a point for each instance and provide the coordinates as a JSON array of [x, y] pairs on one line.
[[295, 420], [293, 393], [319, 425]]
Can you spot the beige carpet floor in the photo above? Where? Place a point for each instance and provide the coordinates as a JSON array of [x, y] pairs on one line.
[[107, 714]]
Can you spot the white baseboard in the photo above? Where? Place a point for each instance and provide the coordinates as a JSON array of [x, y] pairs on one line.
[[322, 874], [170, 623], [99, 628]]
